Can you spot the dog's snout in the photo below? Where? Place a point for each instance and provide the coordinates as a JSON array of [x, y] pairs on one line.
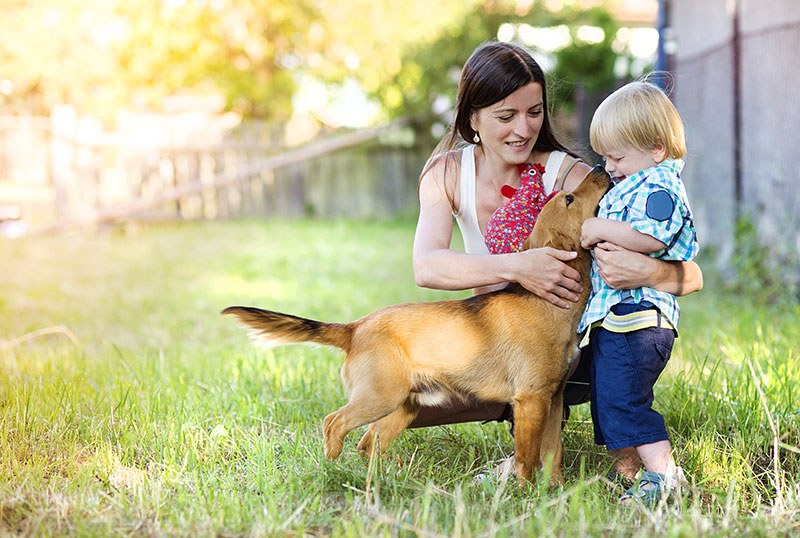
[[598, 169]]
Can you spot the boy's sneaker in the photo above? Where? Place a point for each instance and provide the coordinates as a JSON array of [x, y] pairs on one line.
[[651, 487]]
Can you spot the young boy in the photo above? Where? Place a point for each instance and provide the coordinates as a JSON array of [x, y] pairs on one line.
[[640, 134]]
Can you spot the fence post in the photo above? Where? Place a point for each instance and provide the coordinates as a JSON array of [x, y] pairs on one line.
[[64, 123]]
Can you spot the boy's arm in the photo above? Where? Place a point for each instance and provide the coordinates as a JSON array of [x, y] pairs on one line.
[[596, 230]]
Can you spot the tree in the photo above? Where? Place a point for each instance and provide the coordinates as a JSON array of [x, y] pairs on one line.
[[103, 54], [431, 68], [54, 51], [242, 49]]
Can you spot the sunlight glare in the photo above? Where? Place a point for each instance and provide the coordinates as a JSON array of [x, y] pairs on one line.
[[591, 34], [548, 39], [506, 32], [352, 61], [643, 42], [175, 5]]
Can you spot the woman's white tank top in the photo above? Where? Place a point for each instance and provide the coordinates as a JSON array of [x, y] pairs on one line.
[[467, 216]]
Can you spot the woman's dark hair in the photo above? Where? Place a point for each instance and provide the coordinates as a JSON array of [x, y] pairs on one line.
[[494, 71]]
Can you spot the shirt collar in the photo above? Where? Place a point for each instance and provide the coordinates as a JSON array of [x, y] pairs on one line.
[[674, 166]]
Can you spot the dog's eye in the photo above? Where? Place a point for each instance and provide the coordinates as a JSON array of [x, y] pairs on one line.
[[569, 199]]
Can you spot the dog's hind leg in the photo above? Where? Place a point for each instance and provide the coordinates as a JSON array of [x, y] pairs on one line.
[[363, 408], [373, 395], [531, 412], [388, 428]]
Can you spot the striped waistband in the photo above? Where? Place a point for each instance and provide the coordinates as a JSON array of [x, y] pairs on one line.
[[628, 323]]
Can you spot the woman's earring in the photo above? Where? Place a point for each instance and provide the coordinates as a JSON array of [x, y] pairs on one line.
[[476, 139]]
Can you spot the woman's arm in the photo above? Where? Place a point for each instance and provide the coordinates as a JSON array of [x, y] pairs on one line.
[[541, 271], [624, 269]]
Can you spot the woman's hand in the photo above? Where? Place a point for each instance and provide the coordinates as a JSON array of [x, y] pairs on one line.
[[542, 271], [624, 269]]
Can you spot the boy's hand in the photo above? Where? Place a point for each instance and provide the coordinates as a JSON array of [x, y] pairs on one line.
[[591, 232]]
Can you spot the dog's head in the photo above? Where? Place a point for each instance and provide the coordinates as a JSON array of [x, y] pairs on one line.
[[560, 220]]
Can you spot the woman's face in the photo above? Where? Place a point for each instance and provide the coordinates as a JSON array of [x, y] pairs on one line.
[[509, 128]]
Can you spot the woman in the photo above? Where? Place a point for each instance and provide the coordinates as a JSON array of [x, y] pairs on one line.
[[502, 118]]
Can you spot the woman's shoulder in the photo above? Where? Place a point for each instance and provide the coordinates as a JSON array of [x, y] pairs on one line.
[[443, 168], [441, 174]]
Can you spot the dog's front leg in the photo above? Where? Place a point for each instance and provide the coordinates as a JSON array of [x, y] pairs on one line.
[[552, 448], [530, 416]]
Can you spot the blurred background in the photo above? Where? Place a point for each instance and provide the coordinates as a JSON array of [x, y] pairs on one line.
[[119, 111]]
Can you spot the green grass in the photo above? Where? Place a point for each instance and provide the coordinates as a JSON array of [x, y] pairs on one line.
[[145, 412]]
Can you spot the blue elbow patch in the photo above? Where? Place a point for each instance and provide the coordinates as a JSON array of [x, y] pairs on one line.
[[660, 206]]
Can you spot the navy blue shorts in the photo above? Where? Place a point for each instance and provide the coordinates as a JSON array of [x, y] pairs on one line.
[[624, 370]]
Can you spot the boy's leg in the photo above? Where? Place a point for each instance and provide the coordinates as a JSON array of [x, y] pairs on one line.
[[664, 475], [657, 457], [624, 370], [626, 461], [630, 363]]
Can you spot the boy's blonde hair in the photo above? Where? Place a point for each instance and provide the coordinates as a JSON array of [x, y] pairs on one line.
[[641, 115]]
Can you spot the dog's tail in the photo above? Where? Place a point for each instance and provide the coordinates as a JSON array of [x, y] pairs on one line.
[[274, 328]]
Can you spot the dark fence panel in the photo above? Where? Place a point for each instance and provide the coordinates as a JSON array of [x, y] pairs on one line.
[[738, 90]]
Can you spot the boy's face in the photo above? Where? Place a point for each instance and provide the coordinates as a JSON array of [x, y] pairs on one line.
[[624, 162]]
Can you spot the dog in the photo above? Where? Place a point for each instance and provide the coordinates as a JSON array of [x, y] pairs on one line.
[[507, 346]]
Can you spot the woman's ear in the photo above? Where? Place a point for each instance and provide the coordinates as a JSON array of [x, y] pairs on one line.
[[473, 121]]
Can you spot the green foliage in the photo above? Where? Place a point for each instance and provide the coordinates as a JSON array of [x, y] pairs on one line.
[[235, 48], [590, 65], [754, 272], [103, 54], [100, 55], [163, 419], [431, 67], [55, 51]]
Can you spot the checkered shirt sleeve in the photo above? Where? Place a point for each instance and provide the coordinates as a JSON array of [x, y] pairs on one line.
[[657, 206]]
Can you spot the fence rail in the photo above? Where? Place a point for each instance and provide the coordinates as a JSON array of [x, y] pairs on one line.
[[96, 178]]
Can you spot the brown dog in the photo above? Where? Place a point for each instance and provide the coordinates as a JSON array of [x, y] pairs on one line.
[[505, 346]]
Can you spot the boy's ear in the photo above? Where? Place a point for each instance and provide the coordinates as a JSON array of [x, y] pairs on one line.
[[659, 152]]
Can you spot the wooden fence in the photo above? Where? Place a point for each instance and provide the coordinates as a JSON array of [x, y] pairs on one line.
[[105, 178]]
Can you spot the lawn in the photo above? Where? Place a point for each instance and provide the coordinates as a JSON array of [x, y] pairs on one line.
[[129, 406]]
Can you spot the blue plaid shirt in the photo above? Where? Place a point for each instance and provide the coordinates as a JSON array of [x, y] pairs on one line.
[[654, 202]]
